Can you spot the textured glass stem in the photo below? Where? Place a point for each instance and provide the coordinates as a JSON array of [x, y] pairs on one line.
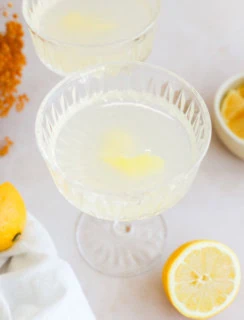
[[121, 249]]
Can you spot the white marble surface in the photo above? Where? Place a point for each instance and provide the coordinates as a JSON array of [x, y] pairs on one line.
[[203, 42]]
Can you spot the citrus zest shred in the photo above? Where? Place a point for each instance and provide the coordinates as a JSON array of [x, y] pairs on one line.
[[4, 149], [12, 62]]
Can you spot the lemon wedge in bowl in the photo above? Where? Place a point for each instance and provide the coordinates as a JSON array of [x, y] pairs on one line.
[[233, 103], [202, 278], [233, 111], [241, 90]]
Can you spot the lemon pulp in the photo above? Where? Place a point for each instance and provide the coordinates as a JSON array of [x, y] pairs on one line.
[[119, 153], [202, 278]]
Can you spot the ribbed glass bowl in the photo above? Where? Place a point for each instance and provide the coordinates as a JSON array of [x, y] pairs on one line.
[[106, 236], [65, 58], [100, 81]]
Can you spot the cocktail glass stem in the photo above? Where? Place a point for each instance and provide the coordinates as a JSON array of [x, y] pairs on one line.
[[121, 248]]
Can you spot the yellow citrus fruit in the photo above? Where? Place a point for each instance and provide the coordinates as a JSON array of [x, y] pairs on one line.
[[232, 104], [236, 124], [202, 278], [12, 215], [241, 90]]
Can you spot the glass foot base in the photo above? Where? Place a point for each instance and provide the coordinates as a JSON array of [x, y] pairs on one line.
[[121, 249]]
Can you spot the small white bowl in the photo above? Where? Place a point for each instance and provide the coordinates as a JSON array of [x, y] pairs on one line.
[[232, 142]]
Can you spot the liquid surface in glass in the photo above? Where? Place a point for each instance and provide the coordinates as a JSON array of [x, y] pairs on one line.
[[123, 147], [94, 22]]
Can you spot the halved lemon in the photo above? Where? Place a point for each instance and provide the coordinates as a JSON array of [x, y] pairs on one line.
[[202, 278], [232, 104]]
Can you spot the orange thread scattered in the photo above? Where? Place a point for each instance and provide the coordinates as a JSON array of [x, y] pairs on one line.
[[21, 100], [4, 149], [12, 62]]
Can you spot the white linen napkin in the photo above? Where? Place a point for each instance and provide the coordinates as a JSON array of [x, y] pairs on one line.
[[35, 284]]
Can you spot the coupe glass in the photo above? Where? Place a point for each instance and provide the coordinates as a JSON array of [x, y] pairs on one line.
[[107, 238], [65, 58]]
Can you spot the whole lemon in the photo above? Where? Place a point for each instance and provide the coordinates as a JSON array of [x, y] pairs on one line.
[[12, 215]]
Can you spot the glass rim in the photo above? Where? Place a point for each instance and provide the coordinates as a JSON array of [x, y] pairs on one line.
[[121, 42], [101, 67]]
